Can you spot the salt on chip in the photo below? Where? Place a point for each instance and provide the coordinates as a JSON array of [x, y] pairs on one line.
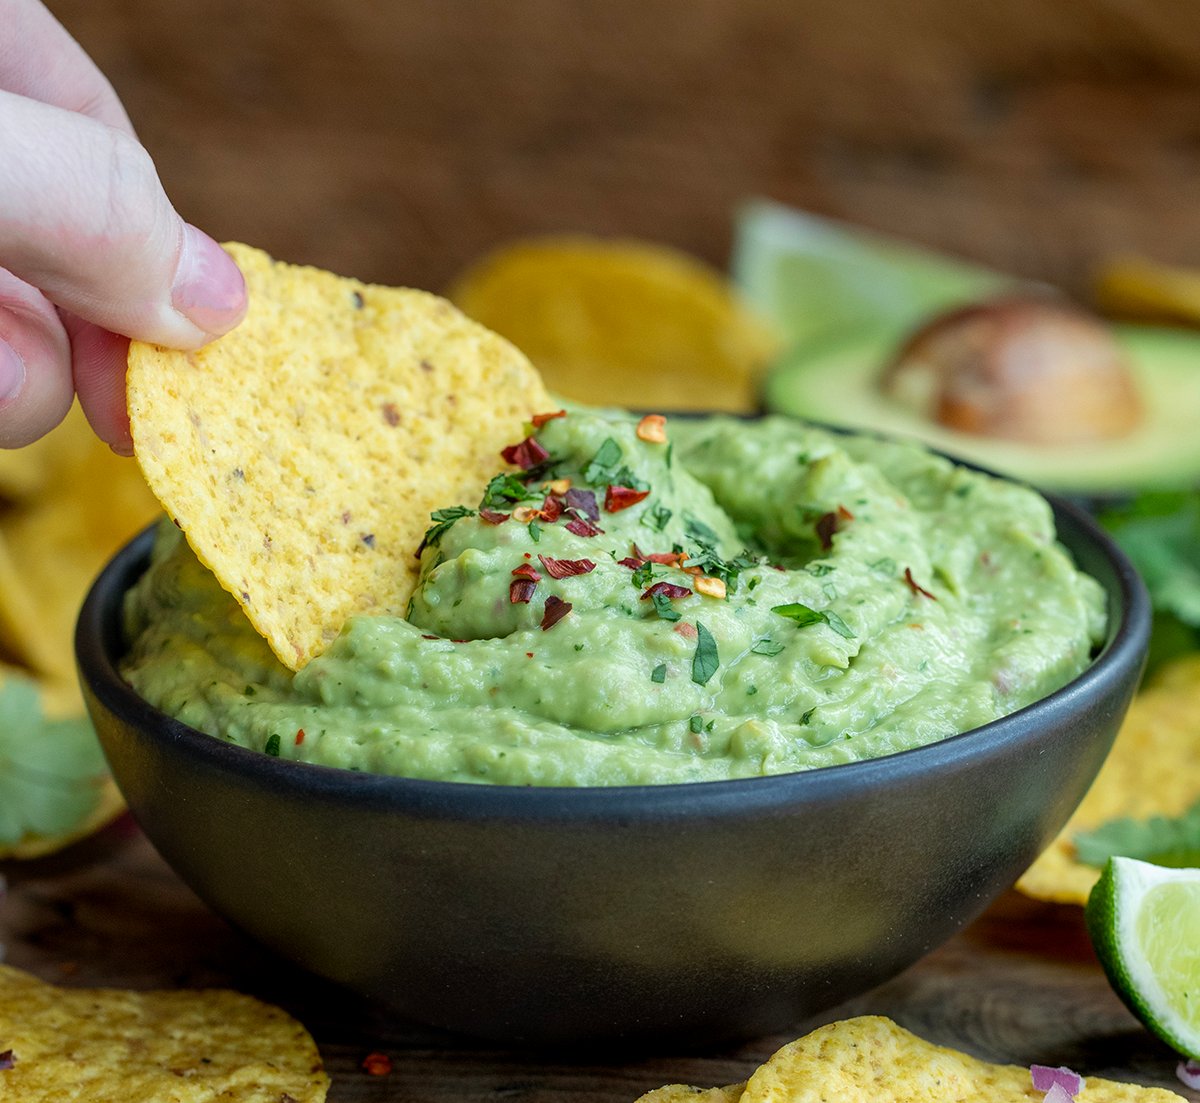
[[872, 1060], [1152, 770], [303, 453], [113, 1046]]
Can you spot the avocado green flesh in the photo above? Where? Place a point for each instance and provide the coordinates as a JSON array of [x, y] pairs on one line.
[[471, 687], [836, 382]]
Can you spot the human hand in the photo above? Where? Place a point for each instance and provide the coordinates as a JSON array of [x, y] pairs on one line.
[[91, 251]]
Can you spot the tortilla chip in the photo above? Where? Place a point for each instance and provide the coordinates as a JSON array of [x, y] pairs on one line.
[[1153, 769], [623, 320], [53, 546], [112, 1046], [872, 1060], [303, 453], [685, 1093]]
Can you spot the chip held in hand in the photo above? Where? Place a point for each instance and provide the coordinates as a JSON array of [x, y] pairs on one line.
[[303, 452]]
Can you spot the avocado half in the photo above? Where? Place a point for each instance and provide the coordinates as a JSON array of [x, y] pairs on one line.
[[836, 380]]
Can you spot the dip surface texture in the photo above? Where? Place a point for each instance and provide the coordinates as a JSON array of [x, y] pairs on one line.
[[878, 598]]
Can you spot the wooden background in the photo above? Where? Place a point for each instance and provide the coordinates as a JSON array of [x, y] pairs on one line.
[[396, 140]]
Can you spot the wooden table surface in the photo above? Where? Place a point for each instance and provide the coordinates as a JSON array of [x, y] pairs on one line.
[[1020, 985]]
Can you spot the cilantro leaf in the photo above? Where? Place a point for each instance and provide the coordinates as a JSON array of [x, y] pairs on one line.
[[705, 661], [503, 490], [442, 520], [656, 517], [600, 467], [766, 646], [659, 673], [50, 770], [1164, 840], [804, 616], [663, 607]]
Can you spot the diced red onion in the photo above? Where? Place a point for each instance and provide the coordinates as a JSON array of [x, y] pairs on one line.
[[1189, 1073], [1045, 1078]]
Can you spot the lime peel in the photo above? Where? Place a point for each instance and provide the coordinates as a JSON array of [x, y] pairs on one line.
[[1144, 922]]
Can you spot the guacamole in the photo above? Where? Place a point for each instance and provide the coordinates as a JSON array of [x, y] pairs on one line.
[[634, 603]]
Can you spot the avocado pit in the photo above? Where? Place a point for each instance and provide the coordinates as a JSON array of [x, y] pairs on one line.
[[1022, 368]]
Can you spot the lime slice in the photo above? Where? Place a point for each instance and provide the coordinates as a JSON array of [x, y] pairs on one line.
[[814, 275], [1145, 925]]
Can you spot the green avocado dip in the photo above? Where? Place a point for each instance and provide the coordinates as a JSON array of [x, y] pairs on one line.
[[741, 599]]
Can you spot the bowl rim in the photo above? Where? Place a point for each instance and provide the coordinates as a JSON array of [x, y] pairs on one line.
[[98, 643]]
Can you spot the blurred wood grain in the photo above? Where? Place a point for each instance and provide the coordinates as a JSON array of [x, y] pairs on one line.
[[397, 141]]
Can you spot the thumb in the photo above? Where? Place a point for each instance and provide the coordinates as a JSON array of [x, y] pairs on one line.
[[84, 219]]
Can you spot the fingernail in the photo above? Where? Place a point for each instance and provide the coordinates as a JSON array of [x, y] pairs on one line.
[[12, 371], [209, 289]]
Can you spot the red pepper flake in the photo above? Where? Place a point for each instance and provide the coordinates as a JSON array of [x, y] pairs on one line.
[[565, 568], [529, 571], [916, 589], [552, 509], [667, 589], [540, 419], [617, 498], [493, 516], [580, 526], [520, 591], [527, 454], [583, 502], [844, 514], [7, 1060], [687, 631], [632, 562], [529, 654], [377, 1064], [391, 414], [653, 429], [299, 736], [670, 559], [555, 610], [425, 637], [827, 525]]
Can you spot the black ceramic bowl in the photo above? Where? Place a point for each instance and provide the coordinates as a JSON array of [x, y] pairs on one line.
[[685, 912]]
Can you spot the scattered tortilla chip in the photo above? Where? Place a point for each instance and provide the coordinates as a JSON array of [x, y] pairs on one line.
[[1153, 769], [872, 1060], [623, 321], [112, 1046], [53, 545], [302, 453], [685, 1093]]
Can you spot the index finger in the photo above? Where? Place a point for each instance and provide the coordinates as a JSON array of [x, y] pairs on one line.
[[40, 60]]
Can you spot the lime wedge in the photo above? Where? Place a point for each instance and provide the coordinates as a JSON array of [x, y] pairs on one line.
[[814, 275], [1144, 921]]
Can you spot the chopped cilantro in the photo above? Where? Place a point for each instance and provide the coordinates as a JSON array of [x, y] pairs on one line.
[[579, 647], [884, 566], [601, 465], [819, 569], [751, 691], [698, 530], [696, 724], [807, 716], [705, 661], [625, 477], [803, 616], [662, 606], [656, 517], [272, 746], [643, 574], [659, 673], [535, 531], [766, 646], [710, 725], [505, 489], [443, 519], [1164, 840]]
